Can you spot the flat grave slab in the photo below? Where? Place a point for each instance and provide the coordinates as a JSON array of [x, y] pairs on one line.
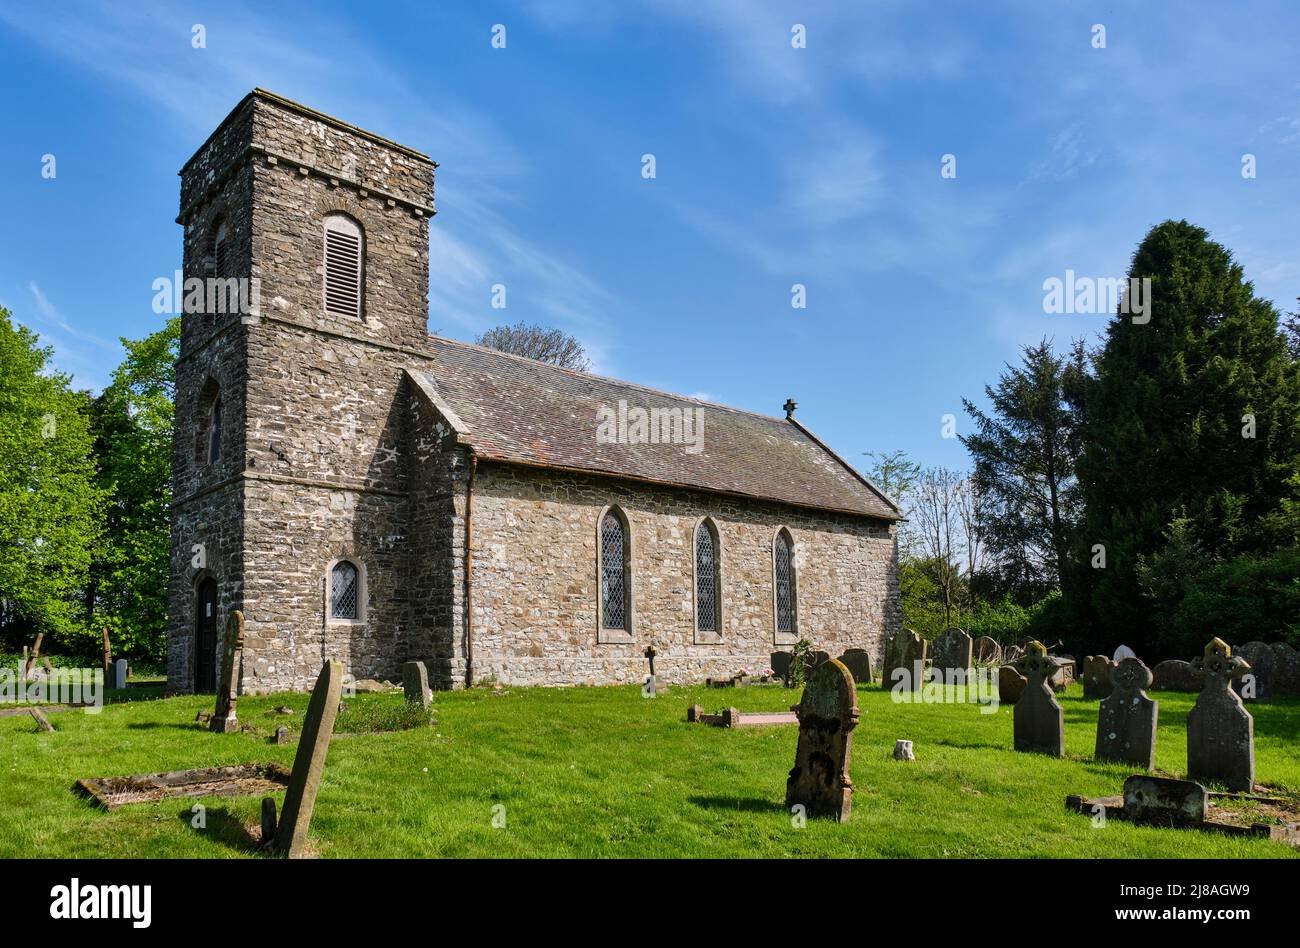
[[730, 717], [233, 781]]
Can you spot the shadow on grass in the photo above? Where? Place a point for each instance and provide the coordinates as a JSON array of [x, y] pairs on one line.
[[159, 725], [226, 828], [741, 804]]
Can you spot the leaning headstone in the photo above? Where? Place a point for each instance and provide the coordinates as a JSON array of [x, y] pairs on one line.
[[415, 683], [780, 662], [1011, 684], [986, 651], [1039, 722], [1121, 653], [41, 720], [121, 673], [1175, 675], [1286, 660], [1096, 676], [951, 652], [309, 762], [1126, 722], [1220, 731], [224, 720], [858, 662], [905, 666], [903, 750], [1256, 684], [828, 713], [1165, 801]]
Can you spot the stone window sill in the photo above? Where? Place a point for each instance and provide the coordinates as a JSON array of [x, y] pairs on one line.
[[615, 637]]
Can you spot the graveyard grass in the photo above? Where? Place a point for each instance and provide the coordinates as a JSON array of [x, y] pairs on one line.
[[592, 772]]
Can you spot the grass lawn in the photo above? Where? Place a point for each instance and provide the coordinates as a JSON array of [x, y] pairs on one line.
[[606, 772]]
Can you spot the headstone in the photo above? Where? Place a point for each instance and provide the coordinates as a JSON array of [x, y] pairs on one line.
[[1096, 676], [986, 651], [415, 683], [224, 720], [41, 720], [858, 662], [1220, 731], [1256, 684], [1121, 653], [1286, 677], [121, 672], [30, 660], [1039, 722], [268, 821], [309, 762], [780, 662], [903, 750], [1011, 684], [952, 651], [651, 688], [1063, 673], [108, 655], [828, 713], [282, 734], [1175, 675], [817, 658], [1166, 801], [905, 662], [1126, 722]]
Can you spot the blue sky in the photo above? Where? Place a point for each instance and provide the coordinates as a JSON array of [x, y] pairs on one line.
[[775, 166]]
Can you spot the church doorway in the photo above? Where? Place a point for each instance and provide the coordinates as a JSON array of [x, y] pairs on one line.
[[205, 638]]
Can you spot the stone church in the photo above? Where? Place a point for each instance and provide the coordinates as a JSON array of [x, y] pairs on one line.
[[369, 493]]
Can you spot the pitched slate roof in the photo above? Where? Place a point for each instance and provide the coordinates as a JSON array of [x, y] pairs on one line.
[[521, 411]]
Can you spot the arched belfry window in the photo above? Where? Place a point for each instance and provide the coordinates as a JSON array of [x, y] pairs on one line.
[[344, 260], [220, 249], [214, 432], [345, 591], [784, 589], [614, 542], [708, 578]]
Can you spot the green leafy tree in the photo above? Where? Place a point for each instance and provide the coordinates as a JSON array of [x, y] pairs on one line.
[[1025, 452], [49, 504], [133, 420], [1193, 413]]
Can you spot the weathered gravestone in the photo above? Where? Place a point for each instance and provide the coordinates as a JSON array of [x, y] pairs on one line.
[[121, 671], [1039, 722], [1175, 675], [780, 662], [223, 719], [1165, 801], [1096, 676], [1256, 684], [1011, 684], [282, 734], [858, 662], [903, 750], [986, 651], [1286, 679], [828, 713], [1126, 722], [309, 762], [1122, 653], [415, 683], [1220, 731], [905, 662], [951, 652], [41, 720]]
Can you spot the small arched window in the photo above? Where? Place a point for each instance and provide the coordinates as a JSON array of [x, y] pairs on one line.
[[344, 258], [345, 591], [220, 249], [708, 586], [214, 432], [615, 554], [785, 593]]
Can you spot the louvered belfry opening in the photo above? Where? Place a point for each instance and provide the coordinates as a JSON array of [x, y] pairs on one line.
[[613, 575], [220, 250], [343, 591], [783, 564], [706, 579], [343, 261]]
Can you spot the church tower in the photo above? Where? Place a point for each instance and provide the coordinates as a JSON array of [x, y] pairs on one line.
[[292, 459]]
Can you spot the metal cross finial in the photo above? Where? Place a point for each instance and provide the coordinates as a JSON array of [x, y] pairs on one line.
[[789, 406]]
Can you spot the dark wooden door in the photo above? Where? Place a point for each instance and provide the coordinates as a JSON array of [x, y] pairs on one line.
[[205, 638]]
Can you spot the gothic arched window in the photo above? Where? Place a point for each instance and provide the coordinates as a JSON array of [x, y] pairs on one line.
[[220, 249], [214, 432], [708, 576], [344, 260], [615, 567], [785, 592], [345, 591]]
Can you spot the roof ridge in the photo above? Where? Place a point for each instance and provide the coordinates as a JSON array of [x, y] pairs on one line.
[[606, 378]]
